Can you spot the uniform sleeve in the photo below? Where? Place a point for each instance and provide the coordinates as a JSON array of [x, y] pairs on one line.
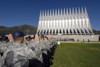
[[0, 61], [12, 59]]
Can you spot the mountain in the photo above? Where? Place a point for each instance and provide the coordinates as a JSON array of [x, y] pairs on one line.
[[27, 29]]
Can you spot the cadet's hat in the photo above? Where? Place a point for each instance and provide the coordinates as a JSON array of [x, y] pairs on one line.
[[5, 38], [29, 37], [18, 34], [42, 36], [46, 37]]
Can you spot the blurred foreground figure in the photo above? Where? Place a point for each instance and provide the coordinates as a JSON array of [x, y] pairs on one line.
[[0, 38], [18, 51], [5, 39], [1, 61], [4, 44], [28, 38], [14, 53], [18, 54]]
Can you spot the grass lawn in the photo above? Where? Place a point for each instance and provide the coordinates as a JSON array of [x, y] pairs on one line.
[[77, 55]]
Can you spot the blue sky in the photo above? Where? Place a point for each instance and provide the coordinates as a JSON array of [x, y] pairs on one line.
[[19, 12]]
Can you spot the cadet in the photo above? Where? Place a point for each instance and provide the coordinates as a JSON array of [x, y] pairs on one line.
[[0, 38], [18, 54], [0, 61], [5, 39], [4, 44], [28, 39], [34, 45]]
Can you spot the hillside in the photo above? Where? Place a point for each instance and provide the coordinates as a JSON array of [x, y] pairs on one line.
[[27, 29]]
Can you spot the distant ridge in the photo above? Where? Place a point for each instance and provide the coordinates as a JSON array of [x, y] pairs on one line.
[[27, 29]]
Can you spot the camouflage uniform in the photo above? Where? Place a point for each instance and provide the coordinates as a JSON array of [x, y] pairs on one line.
[[34, 46], [18, 55], [0, 61]]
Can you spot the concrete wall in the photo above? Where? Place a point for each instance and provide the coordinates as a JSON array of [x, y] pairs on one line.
[[76, 37]]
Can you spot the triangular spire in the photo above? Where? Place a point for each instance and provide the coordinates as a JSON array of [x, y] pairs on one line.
[[45, 13], [70, 11], [42, 13], [82, 10], [64, 11], [53, 12], [67, 11], [61, 11], [48, 13], [73, 11], [58, 12], [86, 11], [76, 11]]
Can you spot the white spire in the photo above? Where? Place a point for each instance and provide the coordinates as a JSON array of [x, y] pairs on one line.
[[78, 10], [42, 13], [48, 13], [73, 11], [45, 13], [82, 10], [58, 11], [67, 11], [53, 12], [86, 11], [70, 11], [61, 11], [64, 11]]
